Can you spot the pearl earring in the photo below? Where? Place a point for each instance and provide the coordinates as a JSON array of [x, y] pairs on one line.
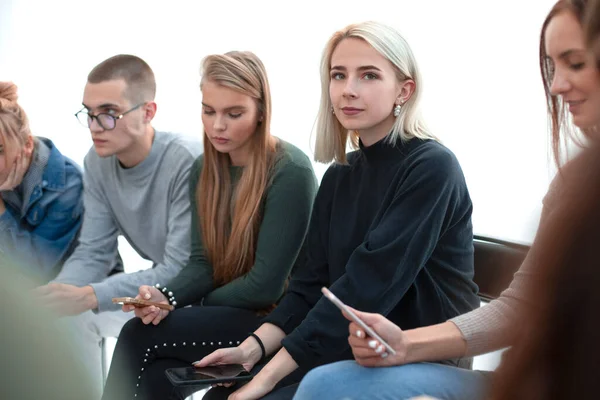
[[332, 110], [397, 109]]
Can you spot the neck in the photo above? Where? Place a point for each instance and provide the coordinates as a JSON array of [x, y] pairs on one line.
[[138, 151], [375, 133], [239, 157]]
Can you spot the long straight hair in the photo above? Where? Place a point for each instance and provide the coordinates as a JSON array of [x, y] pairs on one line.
[[230, 221], [332, 137], [561, 126]]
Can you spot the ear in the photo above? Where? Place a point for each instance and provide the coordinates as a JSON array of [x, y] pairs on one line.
[[149, 111], [29, 145], [405, 91]]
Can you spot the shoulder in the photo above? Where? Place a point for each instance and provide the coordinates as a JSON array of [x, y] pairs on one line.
[[57, 163], [571, 176], [290, 156], [432, 158], [178, 147], [292, 163]]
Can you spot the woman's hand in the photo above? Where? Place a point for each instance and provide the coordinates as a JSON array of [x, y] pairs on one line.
[[17, 172], [149, 314], [230, 355], [368, 351], [255, 389]]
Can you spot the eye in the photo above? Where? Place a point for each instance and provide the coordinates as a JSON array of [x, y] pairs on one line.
[[369, 76], [337, 76], [234, 115], [577, 66], [208, 112]]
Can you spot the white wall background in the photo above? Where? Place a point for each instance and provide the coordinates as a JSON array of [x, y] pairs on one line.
[[483, 93]]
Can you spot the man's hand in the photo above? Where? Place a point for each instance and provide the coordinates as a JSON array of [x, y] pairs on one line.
[[67, 299]]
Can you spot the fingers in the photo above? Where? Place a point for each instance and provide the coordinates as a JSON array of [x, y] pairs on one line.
[[368, 318], [224, 384], [21, 170], [147, 314], [212, 358], [144, 292], [8, 183], [359, 343], [161, 315]]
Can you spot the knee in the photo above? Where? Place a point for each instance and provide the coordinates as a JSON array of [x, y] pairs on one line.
[[321, 382], [133, 330]]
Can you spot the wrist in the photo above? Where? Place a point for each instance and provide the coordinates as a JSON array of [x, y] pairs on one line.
[[251, 350], [410, 349], [267, 378], [90, 297]]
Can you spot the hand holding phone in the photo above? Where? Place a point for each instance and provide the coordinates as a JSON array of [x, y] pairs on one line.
[[369, 331], [141, 303]]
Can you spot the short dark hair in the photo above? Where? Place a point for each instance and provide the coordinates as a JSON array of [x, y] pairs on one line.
[[141, 85]]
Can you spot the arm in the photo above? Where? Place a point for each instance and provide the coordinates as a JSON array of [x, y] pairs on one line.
[[196, 278], [382, 269], [487, 328], [283, 228], [97, 249], [312, 271], [41, 249], [176, 247]]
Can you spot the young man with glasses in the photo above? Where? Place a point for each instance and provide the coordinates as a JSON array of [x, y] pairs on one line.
[[135, 185]]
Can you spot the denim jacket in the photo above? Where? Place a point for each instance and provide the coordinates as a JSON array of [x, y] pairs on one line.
[[40, 226]]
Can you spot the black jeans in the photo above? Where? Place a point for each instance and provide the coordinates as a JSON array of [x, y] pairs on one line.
[[144, 352]]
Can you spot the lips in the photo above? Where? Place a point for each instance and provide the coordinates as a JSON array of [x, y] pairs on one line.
[[220, 140], [351, 110], [99, 141], [574, 104]]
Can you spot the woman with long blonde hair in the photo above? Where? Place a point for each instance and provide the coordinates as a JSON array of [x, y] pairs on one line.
[[251, 196]]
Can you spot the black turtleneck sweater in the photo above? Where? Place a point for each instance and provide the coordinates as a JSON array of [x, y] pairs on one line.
[[390, 233]]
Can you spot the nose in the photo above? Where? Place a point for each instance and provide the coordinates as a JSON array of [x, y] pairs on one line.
[[95, 126], [219, 124], [350, 89], [560, 83]]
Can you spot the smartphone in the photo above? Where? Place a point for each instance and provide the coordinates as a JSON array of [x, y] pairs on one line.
[[141, 303], [189, 376], [355, 318]]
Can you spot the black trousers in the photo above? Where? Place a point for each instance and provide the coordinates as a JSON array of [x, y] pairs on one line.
[[144, 352]]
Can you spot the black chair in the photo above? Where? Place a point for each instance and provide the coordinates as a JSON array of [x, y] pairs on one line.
[[496, 261]]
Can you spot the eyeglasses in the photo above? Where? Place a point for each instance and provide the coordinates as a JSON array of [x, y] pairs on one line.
[[106, 121]]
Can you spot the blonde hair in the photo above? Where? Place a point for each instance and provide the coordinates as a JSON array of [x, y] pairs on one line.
[[14, 124], [230, 222], [331, 136]]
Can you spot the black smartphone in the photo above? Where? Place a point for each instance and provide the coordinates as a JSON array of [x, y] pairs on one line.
[[188, 376]]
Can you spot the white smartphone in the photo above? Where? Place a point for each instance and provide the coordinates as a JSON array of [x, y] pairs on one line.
[[355, 318]]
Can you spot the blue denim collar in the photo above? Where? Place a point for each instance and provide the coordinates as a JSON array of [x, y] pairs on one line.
[[55, 175]]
